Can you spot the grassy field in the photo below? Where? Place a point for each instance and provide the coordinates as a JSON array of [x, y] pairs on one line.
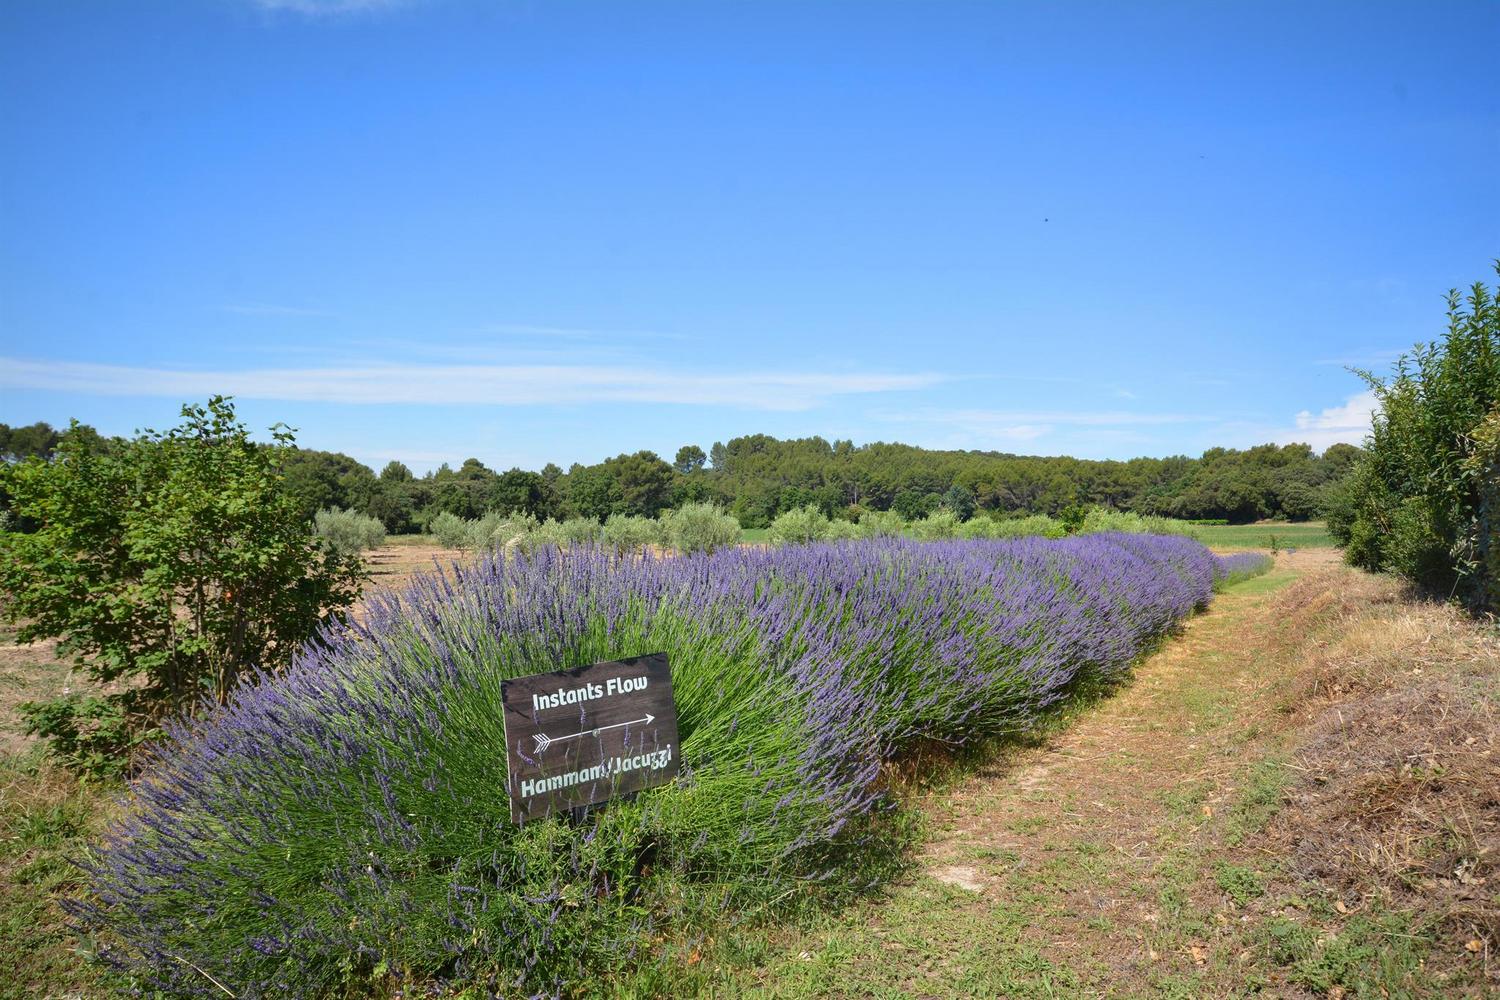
[[1305, 535]]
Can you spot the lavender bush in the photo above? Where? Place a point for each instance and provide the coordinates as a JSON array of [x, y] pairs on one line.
[[1241, 566], [345, 821]]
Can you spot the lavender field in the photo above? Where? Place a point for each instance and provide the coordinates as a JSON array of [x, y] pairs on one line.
[[345, 822]]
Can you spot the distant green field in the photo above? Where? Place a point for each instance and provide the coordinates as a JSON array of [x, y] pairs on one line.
[[1305, 535], [410, 541]]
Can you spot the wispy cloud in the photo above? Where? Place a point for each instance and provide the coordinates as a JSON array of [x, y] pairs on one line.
[[1346, 424], [263, 309], [577, 334], [980, 428], [494, 385], [1075, 418]]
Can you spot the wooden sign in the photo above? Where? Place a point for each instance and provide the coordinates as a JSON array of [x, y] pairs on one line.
[[577, 737]]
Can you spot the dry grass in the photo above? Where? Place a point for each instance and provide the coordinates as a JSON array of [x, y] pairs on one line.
[[1398, 806], [394, 564]]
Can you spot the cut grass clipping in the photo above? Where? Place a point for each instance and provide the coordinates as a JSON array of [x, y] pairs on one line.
[[344, 824]]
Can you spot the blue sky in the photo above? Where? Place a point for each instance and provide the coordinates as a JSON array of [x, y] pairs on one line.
[[533, 232]]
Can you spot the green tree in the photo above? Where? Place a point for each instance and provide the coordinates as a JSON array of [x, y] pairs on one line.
[[690, 458], [910, 504], [393, 503], [323, 479], [519, 491], [395, 472], [645, 483], [1421, 501], [175, 562], [464, 493], [37, 440], [1298, 501], [553, 503], [699, 527], [960, 501], [593, 491]]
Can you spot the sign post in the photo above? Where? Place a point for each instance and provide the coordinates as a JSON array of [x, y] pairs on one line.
[[577, 737]]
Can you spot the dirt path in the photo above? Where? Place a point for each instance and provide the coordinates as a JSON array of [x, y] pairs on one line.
[[1121, 857]]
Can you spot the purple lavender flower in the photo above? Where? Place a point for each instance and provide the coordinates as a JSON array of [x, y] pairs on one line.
[[350, 812]]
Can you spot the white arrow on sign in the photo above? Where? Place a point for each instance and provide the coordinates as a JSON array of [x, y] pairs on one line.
[[543, 741]]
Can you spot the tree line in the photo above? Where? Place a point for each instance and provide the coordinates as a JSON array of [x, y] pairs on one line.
[[758, 477]]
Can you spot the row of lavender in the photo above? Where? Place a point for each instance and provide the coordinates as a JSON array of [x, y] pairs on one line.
[[346, 821]]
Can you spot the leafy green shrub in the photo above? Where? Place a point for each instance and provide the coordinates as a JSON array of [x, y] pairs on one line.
[[1037, 524], [450, 530], [579, 530], [881, 524], [347, 532], [630, 532], [799, 526], [960, 500], [1099, 519], [1072, 517], [1421, 500], [168, 566], [548, 532], [1483, 469], [555, 533], [937, 525], [500, 531], [978, 527], [840, 530], [699, 527]]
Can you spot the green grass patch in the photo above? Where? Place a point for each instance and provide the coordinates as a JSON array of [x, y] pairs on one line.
[[45, 817], [409, 541], [1301, 535], [1265, 583], [1264, 791], [1239, 883], [1375, 954], [1186, 800]]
